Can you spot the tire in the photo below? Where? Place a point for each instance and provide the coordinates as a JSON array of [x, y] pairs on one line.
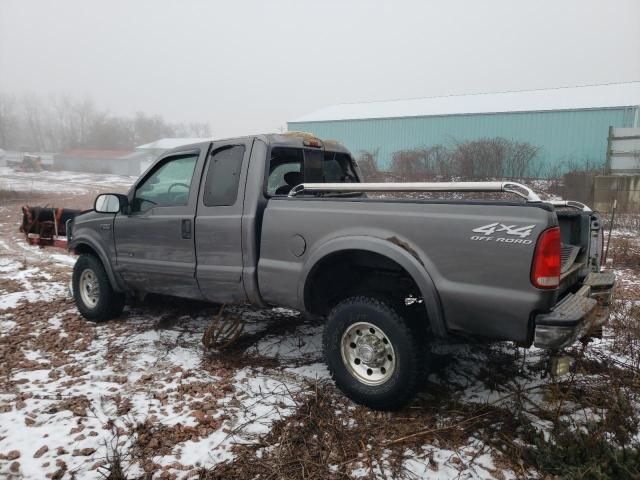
[[99, 302], [389, 372]]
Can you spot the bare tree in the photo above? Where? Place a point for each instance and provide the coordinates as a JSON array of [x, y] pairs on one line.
[[110, 133], [8, 119], [193, 129], [147, 128], [34, 122], [85, 116], [58, 122]]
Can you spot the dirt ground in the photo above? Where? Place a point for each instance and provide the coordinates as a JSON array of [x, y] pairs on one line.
[[139, 397]]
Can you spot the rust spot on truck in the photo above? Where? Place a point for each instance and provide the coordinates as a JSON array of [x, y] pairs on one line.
[[406, 247]]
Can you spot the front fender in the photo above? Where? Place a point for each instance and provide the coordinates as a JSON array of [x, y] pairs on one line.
[[90, 239], [396, 251]]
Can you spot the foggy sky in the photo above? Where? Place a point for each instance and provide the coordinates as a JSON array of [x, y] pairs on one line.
[[249, 66]]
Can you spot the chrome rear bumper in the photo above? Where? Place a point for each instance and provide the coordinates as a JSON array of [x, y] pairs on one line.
[[576, 314]]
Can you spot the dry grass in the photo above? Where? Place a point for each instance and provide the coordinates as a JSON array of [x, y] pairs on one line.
[[8, 195], [329, 437], [582, 426], [625, 252], [623, 221]]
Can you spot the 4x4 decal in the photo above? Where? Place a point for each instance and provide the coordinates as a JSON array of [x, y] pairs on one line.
[[488, 231], [492, 228]]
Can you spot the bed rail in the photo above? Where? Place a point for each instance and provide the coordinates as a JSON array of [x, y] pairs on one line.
[[509, 187], [570, 203]]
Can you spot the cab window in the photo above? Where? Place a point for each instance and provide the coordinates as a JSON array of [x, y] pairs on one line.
[[338, 168], [292, 166], [285, 170], [223, 176], [167, 186]]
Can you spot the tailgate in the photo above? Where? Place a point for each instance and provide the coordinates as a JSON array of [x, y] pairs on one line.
[[581, 237]]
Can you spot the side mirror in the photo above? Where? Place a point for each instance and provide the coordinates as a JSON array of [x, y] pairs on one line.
[[110, 203]]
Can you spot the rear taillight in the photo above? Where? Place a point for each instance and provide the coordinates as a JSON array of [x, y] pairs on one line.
[[545, 271]]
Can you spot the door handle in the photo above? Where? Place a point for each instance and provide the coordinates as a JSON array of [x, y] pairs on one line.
[[186, 228]]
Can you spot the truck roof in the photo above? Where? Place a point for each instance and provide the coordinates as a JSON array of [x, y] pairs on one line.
[[286, 139]]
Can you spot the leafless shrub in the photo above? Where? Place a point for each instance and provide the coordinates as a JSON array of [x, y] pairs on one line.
[[495, 158], [114, 468], [475, 159], [624, 252], [554, 173], [622, 221], [117, 461], [8, 195], [368, 163], [518, 162], [482, 158], [626, 323], [587, 166], [422, 163]]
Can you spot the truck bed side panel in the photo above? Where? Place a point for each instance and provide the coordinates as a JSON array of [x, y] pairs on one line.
[[482, 278]]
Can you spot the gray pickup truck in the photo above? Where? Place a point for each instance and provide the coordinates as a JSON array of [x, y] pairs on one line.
[[285, 220]]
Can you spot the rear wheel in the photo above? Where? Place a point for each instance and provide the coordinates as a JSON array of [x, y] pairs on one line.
[[94, 296], [374, 355]]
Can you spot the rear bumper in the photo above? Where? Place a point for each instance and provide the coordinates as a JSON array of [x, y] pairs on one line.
[[576, 314]]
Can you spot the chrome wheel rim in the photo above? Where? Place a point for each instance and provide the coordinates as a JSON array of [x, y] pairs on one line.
[[89, 288], [367, 353]]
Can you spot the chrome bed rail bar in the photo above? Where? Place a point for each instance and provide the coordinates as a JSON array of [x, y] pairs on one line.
[[509, 187], [570, 203]]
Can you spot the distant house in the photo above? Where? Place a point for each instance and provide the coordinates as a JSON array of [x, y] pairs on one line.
[[164, 144], [116, 162]]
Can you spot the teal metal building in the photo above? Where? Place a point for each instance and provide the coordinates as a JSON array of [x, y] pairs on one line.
[[569, 126]]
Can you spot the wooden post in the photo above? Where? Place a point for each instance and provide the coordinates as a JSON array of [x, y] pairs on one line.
[[613, 217]]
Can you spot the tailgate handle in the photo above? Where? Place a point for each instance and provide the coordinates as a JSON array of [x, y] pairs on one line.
[[186, 228]]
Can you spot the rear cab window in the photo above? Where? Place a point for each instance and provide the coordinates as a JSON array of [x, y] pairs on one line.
[[290, 166]]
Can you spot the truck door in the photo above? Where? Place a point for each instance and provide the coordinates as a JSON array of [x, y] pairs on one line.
[[218, 226], [155, 242]]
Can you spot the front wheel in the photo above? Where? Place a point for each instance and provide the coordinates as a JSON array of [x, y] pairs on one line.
[[374, 355], [94, 296]]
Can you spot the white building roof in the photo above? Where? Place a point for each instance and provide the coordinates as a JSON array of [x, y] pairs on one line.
[[564, 98], [169, 143]]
